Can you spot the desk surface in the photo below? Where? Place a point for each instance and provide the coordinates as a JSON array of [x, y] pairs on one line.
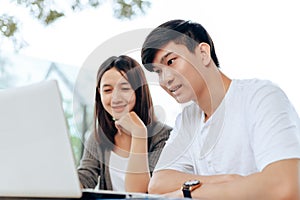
[[91, 196]]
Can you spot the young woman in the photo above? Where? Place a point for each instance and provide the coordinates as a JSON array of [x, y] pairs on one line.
[[127, 140]]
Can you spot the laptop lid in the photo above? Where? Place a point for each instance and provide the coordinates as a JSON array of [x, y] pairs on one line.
[[36, 158]]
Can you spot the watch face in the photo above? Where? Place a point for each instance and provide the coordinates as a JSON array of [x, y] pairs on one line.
[[192, 182]]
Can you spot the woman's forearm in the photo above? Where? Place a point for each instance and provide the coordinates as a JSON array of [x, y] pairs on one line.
[[138, 175]]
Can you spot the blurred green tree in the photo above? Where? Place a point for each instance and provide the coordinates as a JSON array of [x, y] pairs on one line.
[[47, 12]]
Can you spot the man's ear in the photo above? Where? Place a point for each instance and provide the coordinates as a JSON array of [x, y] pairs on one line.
[[204, 50]]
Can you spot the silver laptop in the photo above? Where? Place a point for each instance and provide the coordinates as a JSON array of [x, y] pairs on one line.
[[36, 158]]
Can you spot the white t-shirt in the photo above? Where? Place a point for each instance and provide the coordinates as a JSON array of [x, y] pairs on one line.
[[117, 170], [254, 126]]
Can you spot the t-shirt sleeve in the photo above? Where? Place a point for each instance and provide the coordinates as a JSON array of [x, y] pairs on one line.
[[275, 128]]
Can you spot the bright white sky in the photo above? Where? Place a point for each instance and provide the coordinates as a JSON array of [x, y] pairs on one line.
[[253, 39]]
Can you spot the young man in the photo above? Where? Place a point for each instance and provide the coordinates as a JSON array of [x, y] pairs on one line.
[[238, 139]]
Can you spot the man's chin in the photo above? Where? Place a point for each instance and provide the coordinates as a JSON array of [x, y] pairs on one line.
[[181, 100]]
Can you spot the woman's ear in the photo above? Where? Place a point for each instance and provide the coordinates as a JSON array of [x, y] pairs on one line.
[[204, 50]]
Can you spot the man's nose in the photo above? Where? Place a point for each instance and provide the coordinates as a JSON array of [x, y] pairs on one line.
[[166, 78]]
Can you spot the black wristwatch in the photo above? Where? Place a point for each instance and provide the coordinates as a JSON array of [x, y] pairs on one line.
[[189, 186]]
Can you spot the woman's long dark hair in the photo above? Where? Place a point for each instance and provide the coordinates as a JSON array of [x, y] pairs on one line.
[[131, 70]]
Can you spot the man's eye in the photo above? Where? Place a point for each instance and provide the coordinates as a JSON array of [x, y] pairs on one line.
[[170, 62]]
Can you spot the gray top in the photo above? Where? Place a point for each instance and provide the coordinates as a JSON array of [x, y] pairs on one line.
[[91, 165]]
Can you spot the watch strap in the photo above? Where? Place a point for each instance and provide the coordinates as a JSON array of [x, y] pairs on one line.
[[186, 193]]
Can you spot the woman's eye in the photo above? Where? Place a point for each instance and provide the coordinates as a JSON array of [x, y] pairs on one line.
[[126, 89], [107, 90]]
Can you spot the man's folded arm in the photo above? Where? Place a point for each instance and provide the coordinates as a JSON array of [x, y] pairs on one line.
[[168, 180]]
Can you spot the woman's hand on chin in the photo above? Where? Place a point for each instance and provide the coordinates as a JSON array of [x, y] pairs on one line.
[[131, 124]]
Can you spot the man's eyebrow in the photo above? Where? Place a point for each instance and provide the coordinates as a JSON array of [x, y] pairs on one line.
[[165, 56]]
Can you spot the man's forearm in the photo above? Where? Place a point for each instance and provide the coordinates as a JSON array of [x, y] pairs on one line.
[[166, 181], [278, 181]]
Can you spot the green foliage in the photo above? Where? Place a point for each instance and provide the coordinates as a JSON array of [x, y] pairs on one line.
[[77, 148], [52, 16], [8, 25], [40, 9], [47, 12], [128, 9]]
